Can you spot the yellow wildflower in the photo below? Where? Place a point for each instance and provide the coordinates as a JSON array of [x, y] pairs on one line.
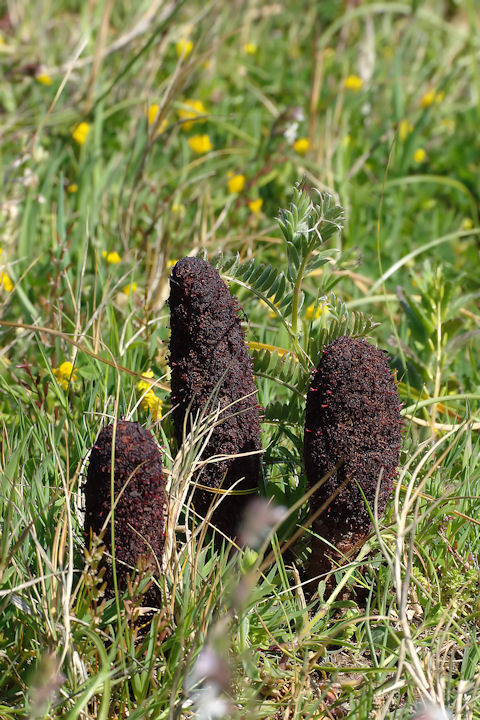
[[44, 79], [427, 99], [271, 313], [112, 258], [353, 82], [404, 129], [72, 188], [431, 97], [179, 209], [152, 113], [200, 144], [162, 127], [152, 404], [301, 145], [235, 182], [250, 48], [419, 155], [142, 385], [149, 402], [255, 205], [467, 223], [6, 281], [313, 313], [130, 288], [184, 47], [65, 374], [191, 112], [80, 133]]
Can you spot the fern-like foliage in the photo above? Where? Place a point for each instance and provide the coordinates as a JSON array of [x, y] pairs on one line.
[[341, 321], [309, 221], [264, 281], [283, 369]]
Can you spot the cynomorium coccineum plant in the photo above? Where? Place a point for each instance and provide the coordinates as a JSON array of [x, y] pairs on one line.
[[352, 419], [211, 369], [139, 497]]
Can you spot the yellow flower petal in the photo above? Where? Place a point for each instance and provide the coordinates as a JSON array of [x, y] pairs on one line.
[[130, 288], [427, 99], [152, 113], [80, 133], [112, 258], [184, 47], [404, 129], [191, 113], [44, 79], [313, 313], [235, 183], [65, 374], [255, 205], [6, 281], [301, 145], [419, 155], [200, 144], [353, 82]]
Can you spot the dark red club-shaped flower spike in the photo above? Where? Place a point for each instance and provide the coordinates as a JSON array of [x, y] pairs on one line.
[[352, 417], [208, 355], [139, 491]]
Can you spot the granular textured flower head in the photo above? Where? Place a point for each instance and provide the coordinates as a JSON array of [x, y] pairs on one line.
[[139, 494], [352, 417], [208, 355]]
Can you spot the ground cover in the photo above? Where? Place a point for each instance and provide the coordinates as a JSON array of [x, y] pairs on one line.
[[324, 158]]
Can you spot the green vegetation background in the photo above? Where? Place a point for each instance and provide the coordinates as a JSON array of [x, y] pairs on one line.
[[134, 133]]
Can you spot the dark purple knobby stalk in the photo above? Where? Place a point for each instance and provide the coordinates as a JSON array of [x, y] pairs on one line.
[[139, 494], [353, 418], [209, 358]]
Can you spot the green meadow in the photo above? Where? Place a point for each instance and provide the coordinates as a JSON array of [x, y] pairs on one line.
[[324, 156]]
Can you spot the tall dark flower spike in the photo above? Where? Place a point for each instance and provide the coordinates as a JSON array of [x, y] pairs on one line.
[[139, 495], [209, 362], [352, 418]]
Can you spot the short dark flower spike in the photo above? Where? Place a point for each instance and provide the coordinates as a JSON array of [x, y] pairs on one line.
[[352, 417], [208, 355], [139, 493]]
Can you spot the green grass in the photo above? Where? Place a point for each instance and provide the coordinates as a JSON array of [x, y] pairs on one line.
[[402, 624]]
